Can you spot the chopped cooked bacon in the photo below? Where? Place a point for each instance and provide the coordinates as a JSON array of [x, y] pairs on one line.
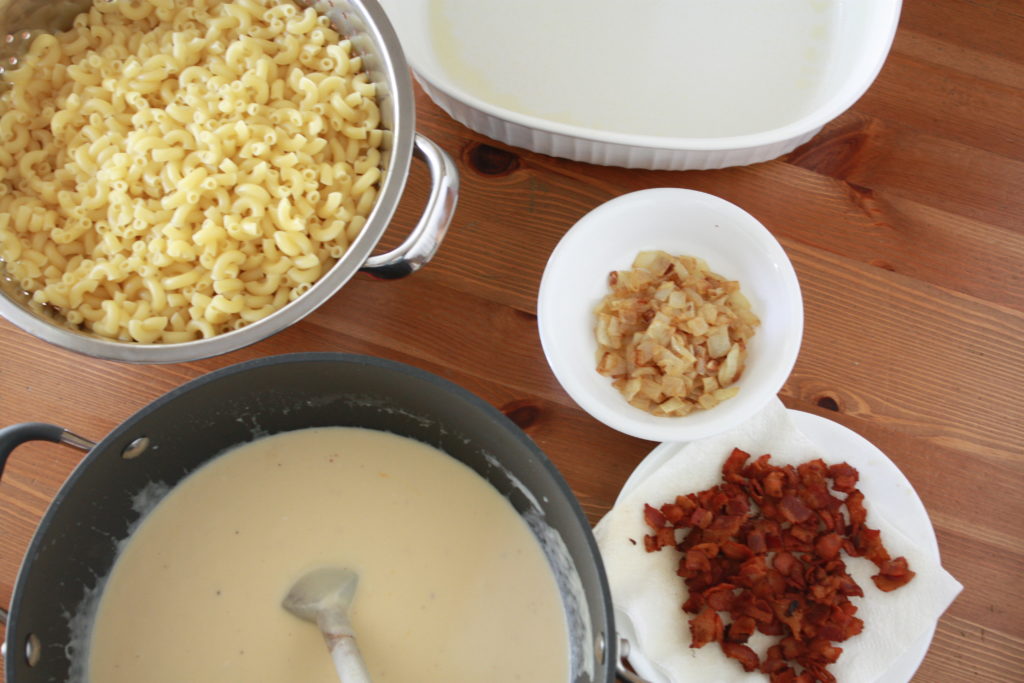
[[695, 562], [666, 536], [786, 563], [844, 477], [740, 630], [701, 518], [742, 653], [706, 627], [773, 484], [827, 546], [855, 507], [654, 518], [720, 597], [736, 551], [733, 467], [673, 512], [763, 547], [756, 541], [823, 651], [794, 510], [894, 574]]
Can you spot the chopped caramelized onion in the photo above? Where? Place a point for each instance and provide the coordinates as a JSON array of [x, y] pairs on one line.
[[672, 334], [763, 549]]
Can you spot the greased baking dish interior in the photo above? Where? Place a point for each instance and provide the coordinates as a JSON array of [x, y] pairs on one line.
[[477, 60]]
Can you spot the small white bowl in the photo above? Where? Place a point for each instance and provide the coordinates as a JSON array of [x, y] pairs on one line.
[[678, 221]]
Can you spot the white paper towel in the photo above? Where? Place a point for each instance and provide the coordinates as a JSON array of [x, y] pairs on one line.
[[645, 587]]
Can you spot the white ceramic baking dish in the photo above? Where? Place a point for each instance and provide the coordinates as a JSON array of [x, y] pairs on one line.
[[846, 61]]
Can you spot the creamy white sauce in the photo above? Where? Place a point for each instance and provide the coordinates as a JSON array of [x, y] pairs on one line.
[[679, 68], [453, 585]]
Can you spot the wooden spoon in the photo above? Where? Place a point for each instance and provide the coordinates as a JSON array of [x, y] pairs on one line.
[[323, 596]]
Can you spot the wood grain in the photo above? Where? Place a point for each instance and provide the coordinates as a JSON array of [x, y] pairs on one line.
[[904, 219]]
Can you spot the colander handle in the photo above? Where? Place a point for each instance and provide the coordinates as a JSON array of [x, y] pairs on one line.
[[421, 244], [15, 435]]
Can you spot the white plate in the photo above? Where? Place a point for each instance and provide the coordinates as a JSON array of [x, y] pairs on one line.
[[888, 490]]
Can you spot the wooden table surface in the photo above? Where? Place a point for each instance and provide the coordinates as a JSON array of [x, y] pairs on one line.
[[904, 220]]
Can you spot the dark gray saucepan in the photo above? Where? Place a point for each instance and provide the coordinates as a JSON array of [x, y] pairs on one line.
[[76, 540]]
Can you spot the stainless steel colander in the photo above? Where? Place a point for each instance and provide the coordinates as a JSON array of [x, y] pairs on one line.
[[366, 25]]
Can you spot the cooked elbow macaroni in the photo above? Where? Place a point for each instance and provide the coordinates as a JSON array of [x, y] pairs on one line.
[[171, 170]]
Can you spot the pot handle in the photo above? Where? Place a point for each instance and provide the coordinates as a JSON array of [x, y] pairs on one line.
[[421, 244], [15, 435], [627, 676], [621, 672]]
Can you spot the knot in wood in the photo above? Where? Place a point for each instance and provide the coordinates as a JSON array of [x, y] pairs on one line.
[[492, 161]]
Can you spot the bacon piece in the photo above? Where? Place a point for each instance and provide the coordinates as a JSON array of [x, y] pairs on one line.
[[798, 537], [658, 540], [792, 648], [868, 543], [821, 650], [849, 587], [844, 477], [794, 510], [816, 673], [759, 468], [701, 518], [772, 628], [756, 608], [832, 520], [694, 562], [786, 563], [895, 573], [827, 546], [737, 504], [736, 551], [706, 627], [773, 484], [743, 654], [687, 503], [740, 630], [732, 470], [817, 497], [855, 507], [751, 571], [720, 597], [653, 517], [756, 542], [896, 567], [724, 527], [673, 513], [775, 664], [812, 474], [773, 584], [709, 549]]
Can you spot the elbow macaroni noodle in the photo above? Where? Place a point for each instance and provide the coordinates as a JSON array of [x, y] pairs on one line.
[[171, 170]]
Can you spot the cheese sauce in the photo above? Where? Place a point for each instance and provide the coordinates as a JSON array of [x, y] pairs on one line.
[[453, 585]]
